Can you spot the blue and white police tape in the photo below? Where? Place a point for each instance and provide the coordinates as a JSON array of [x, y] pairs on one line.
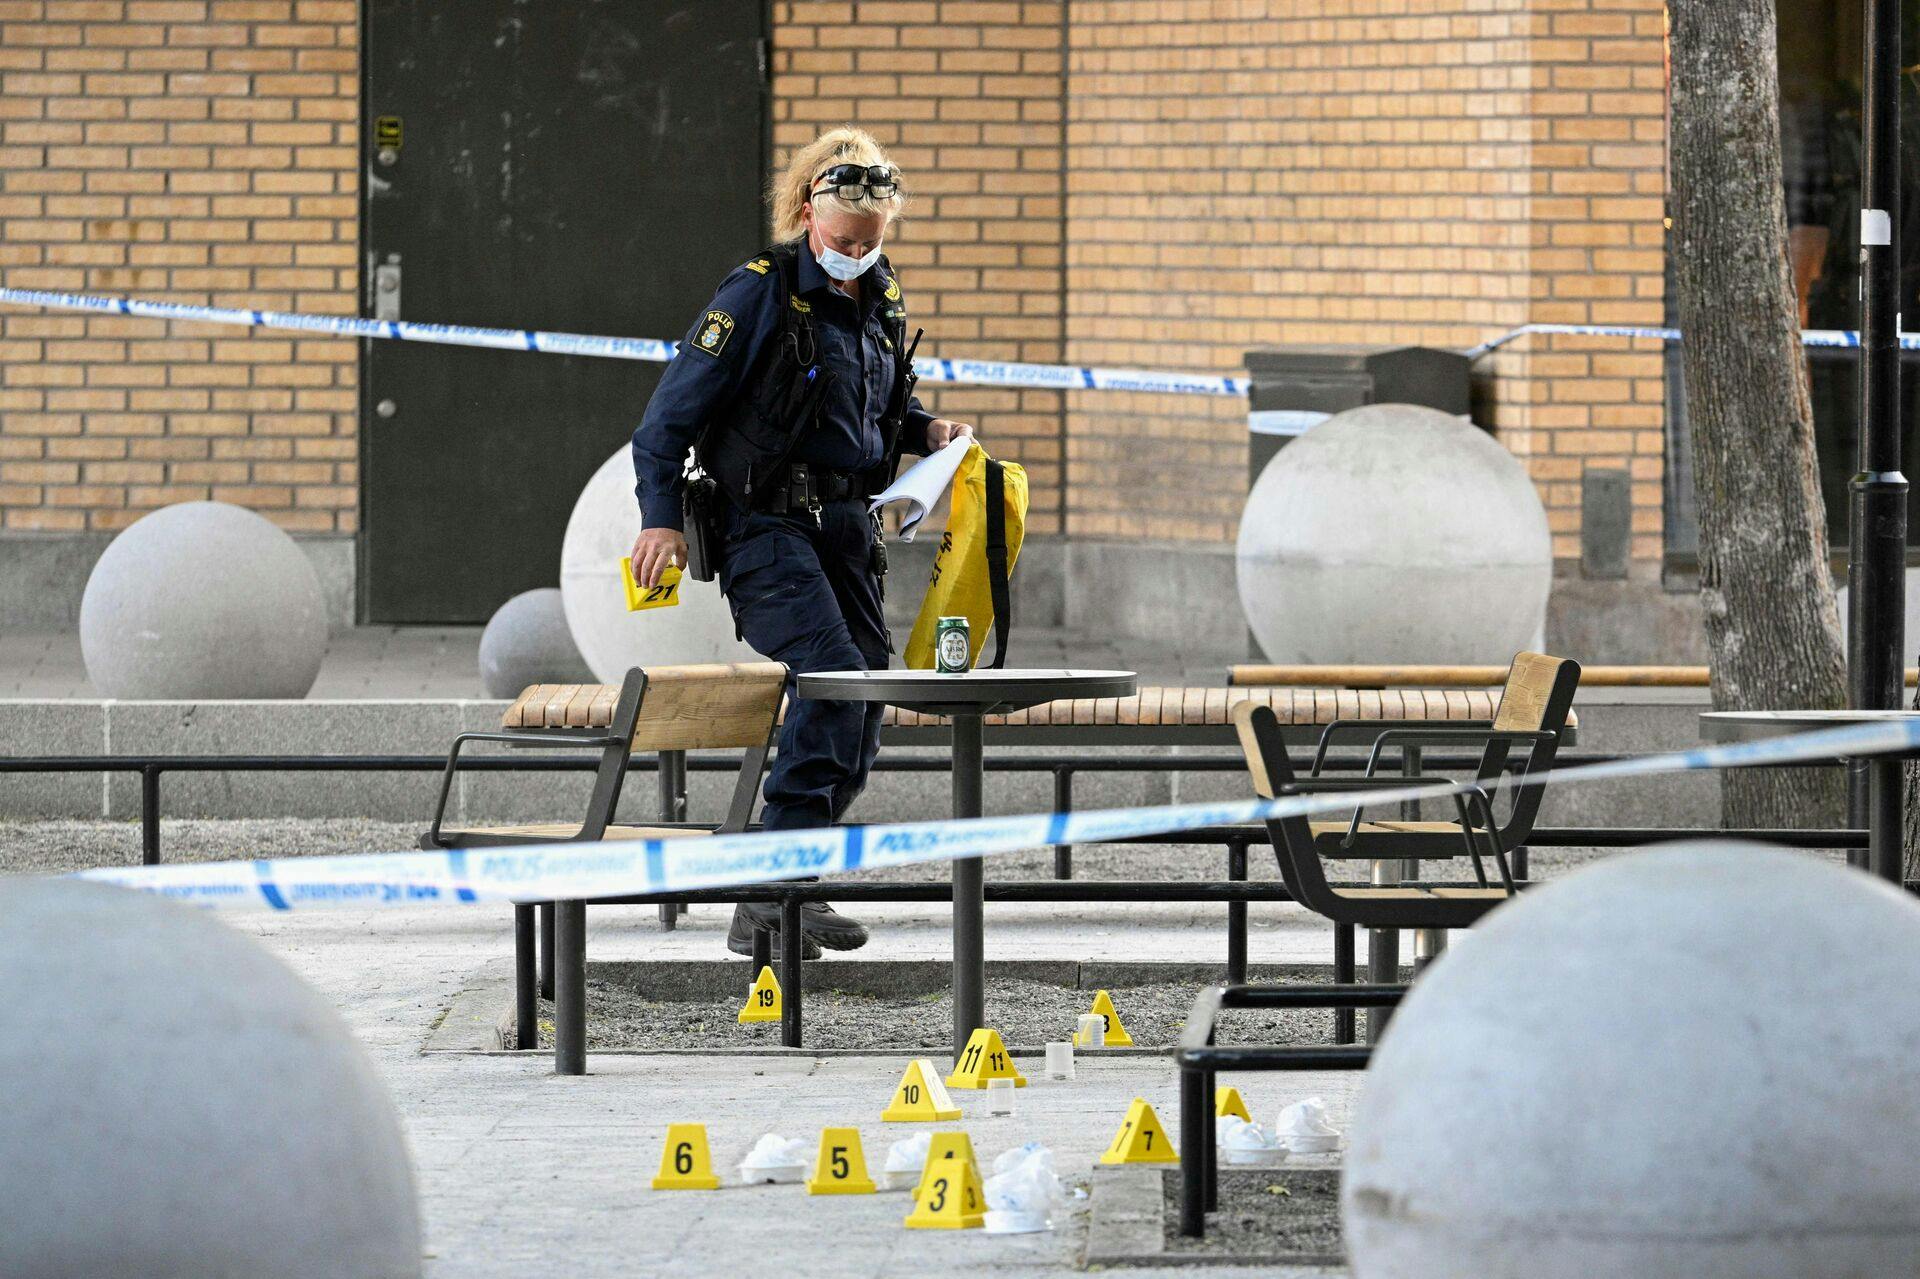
[[1808, 337], [560, 872]]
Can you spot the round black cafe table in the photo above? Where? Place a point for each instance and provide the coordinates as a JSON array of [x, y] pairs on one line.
[[966, 699]]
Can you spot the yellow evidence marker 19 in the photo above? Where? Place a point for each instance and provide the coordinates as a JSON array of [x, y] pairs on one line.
[[685, 1163], [763, 1001], [1117, 1036], [984, 1058], [1141, 1139], [841, 1166], [665, 595], [920, 1098], [949, 1195], [1228, 1101]]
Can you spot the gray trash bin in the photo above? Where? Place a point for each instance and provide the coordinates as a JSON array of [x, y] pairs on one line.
[[1297, 387]]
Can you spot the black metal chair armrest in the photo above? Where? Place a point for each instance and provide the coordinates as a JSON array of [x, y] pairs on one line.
[[1476, 797], [523, 739], [1338, 726], [1450, 736]]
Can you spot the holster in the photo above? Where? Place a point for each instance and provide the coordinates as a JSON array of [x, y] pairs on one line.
[[700, 520]]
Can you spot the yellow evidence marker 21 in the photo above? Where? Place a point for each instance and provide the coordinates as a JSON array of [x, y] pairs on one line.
[[984, 1058], [1141, 1139], [920, 1098], [1117, 1036], [665, 595], [841, 1166], [763, 1001], [1228, 1101], [949, 1195], [685, 1163]]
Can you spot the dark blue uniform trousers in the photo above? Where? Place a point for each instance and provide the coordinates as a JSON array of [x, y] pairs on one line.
[[808, 596]]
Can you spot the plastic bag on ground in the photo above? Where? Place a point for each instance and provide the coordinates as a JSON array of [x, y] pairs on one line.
[[774, 1159], [1023, 1191], [905, 1161], [1245, 1144], [1304, 1129]]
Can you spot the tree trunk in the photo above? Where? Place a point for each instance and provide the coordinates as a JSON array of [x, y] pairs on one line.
[[1773, 628]]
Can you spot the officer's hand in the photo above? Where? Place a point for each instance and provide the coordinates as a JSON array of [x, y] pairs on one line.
[[653, 550], [944, 431]]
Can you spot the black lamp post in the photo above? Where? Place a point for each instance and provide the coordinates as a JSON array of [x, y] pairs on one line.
[[1877, 511]]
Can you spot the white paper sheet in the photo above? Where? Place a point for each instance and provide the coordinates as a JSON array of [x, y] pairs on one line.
[[921, 484]]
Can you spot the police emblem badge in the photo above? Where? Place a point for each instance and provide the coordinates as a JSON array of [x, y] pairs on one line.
[[714, 332]]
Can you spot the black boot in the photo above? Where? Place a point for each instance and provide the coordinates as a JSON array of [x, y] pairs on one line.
[[748, 916]]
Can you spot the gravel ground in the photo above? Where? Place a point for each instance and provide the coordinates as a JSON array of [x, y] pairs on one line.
[[1266, 1214]]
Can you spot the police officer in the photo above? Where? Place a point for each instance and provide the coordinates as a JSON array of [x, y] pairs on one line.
[[795, 394]]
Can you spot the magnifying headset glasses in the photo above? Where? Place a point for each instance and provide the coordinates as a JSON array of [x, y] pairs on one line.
[[847, 181]]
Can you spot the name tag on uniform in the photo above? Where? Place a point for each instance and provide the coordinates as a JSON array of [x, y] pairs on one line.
[[665, 595]]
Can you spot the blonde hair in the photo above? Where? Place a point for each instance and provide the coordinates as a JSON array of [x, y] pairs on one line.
[[844, 145]]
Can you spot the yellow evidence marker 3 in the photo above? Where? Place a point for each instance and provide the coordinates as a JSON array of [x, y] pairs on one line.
[[1228, 1101], [1141, 1139], [1117, 1036], [841, 1166], [685, 1163], [984, 1058], [920, 1098], [665, 595], [949, 1195], [763, 1001]]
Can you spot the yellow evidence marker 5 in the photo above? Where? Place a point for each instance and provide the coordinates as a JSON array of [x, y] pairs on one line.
[[1228, 1101], [763, 1001], [1141, 1139], [841, 1166], [1117, 1036], [665, 595], [984, 1058], [920, 1098], [949, 1195], [685, 1163]]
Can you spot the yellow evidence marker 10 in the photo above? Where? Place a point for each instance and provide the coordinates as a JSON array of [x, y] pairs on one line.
[[685, 1163], [920, 1098], [1228, 1101], [1117, 1036], [763, 1001], [665, 595], [841, 1166], [1141, 1139], [949, 1195], [984, 1058]]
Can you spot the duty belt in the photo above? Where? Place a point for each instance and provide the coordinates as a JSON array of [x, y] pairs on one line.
[[807, 488]]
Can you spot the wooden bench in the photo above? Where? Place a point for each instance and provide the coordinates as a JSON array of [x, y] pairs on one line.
[[1390, 677]]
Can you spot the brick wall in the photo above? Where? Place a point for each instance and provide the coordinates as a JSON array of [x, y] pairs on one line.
[[196, 151]]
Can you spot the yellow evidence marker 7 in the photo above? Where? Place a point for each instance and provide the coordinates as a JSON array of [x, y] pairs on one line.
[[1228, 1101], [949, 1195], [1117, 1036], [1141, 1139], [665, 595], [763, 1001], [841, 1166], [685, 1163], [920, 1098], [984, 1058]]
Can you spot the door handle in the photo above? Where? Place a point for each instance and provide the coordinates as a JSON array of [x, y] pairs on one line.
[[386, 289]]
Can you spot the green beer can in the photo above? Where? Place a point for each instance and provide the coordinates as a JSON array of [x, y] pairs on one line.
[[952, 646]]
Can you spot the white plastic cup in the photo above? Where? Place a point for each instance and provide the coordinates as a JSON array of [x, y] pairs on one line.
[[1059, 1059], [1092, 1032], [999, 1096]]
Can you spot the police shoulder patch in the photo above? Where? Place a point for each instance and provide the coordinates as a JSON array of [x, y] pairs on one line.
[[760, 266], [714, 332], [893, 290]]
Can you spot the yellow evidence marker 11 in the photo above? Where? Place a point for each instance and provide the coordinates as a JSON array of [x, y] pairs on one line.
[[1228, 1101], [1141, 1139], [763, 1001], [1117, 1036], [920, 1098], [984, 1058], [949, 1195], [841, 1166], [665, 595], [685, 1163]]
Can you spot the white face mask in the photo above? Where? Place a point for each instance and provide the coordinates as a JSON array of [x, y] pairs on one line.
[[843, 268]]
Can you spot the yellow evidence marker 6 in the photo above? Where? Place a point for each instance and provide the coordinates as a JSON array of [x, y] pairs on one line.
[[685, 1163], [920, 1098], [1141, 1139], [763, 1001], [841, 1166], [1228, 1101], [949, 1195], [665, 595], [984, 1058], [1117, 1036]]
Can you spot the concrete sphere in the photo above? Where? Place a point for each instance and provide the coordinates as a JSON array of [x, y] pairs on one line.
[[1691, 1063], [1394, 533], [527, 642], [600, 534], [179, 1104], [203, 600]]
